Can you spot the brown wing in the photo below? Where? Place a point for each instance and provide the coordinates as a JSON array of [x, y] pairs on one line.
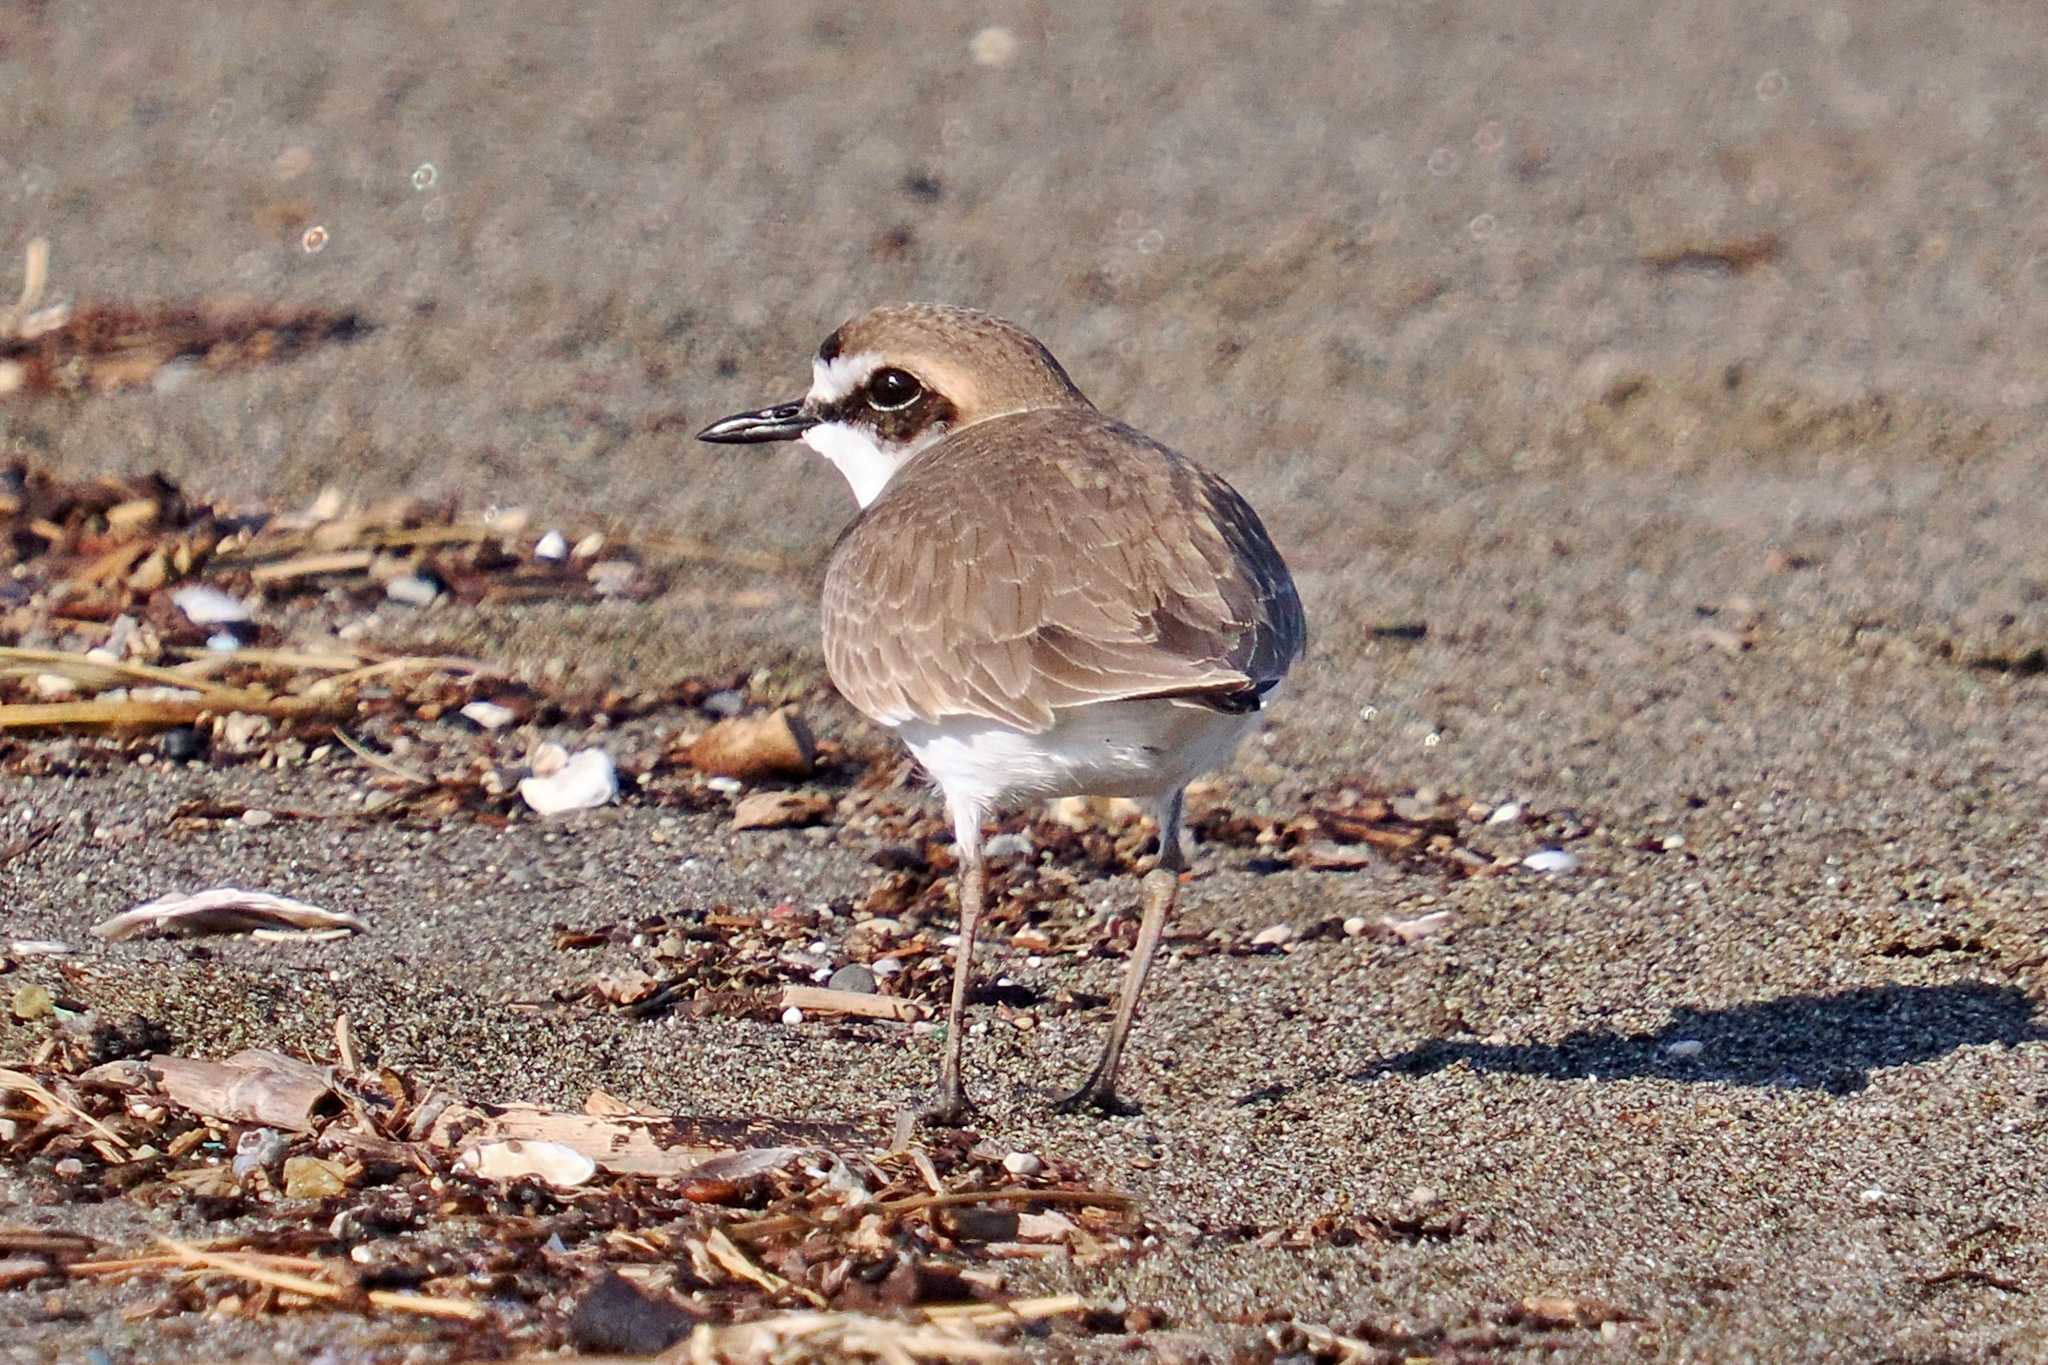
[[1053, 559]]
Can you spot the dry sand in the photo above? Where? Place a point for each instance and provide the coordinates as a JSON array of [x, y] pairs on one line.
[[1438, 287]]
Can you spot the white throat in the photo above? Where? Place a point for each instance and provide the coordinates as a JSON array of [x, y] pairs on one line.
[[853, 451], [867, 466]]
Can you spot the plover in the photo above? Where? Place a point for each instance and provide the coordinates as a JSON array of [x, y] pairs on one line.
[[1039, 600]]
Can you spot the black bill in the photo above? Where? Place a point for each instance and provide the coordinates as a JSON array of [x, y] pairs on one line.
[[783, 422]]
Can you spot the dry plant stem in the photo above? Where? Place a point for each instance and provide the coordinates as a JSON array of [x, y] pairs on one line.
[[248, 1268], [82, 669], [158, 715], [11, 1079], [377, 760]]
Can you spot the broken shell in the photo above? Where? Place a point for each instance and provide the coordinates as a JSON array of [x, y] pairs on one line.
[[1550, 860], [780, 810], [587, 779], [205, 606], [553, 545], [1421, 927], [488, 715], [1272, 936], [1022, 1163], [557, 1163], [1505, 814]]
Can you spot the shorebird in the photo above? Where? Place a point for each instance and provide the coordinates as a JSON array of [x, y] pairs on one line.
[[1039, 600]]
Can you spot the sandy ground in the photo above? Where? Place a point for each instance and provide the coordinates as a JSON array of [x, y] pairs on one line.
[[1416, 279]]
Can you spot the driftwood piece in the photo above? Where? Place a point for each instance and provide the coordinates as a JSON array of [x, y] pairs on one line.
[[821, 1000], [253, 1086]]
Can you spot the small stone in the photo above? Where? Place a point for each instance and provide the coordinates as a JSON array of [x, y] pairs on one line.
[[853, 977], [1272, 936], [1685, 1048], [1673, 842], [257, 819], [780, 810], [792, 1015], [1008, 846], [1505, 814], [1022, 1163], [553, 545], [32, 1002], [1550, 860], [183, 744], [311, 1177], [1356, 926], [240, 731], [412, 590], [617, 1317], [54, 687]]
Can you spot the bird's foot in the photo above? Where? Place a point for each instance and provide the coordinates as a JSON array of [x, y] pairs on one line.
[[949, 1108], [1096, 1097]]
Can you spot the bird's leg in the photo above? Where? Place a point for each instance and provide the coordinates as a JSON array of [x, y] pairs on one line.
[[1158, 891], [950, 1106]]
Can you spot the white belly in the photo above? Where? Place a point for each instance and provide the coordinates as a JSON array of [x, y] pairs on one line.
[[1144, 750]]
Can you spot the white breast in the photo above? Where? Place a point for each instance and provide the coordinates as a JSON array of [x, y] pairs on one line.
[[1144, 750]]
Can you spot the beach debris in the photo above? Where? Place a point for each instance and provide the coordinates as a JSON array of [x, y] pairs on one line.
[[780, 810], [1273, 936], [514, 1159], [1551, 860], [1685, 1049], [860, 1004], [209, 606], [553, 545], [893, 1254], [1421, 926], [753, 748], [577, 781], [1507, 813], [226, 910], [488, 715]]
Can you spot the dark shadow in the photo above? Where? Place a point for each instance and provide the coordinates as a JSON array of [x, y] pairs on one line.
[[1819, 1042]]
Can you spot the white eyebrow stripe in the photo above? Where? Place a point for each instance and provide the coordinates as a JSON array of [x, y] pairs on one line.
[[832, 380]]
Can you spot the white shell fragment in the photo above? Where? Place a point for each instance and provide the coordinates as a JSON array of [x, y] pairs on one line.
[[1421, 927], [553, 545], [588, 779], [1022, 1163], [225, 910], [1272, 936], [1505, 814], [1550, 860], [488, 715], [516, 1158], [204, 606]]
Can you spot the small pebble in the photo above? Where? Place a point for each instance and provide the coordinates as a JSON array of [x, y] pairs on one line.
[[792, 1015], [1685, 1047], [411, 590], [1272, 936], [32, 1002], [1550, 860], [553, 545], [309, 1177], [1505, 814], [1022, 1163], [1356, 925], [1673, 842], [725, 703], [223, 642], [853, 977], [257, 819], [184, 744]]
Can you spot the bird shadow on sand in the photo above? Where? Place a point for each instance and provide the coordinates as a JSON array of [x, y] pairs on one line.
[[1796, 1042]]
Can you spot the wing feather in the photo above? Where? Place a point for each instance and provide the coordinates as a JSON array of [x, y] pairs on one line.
[[1053, 559]]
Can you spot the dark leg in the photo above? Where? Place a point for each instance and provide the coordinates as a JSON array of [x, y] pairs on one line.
[[1159, 890], [950, 1106]]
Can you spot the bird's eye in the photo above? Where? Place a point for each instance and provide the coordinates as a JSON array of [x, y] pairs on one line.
[[893, 388]]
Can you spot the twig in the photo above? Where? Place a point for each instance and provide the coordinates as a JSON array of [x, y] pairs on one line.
[[82, 668], [734, 1262], [10, 1079], [242, 1266], [27, 842], [377, 760], [790, 1222]]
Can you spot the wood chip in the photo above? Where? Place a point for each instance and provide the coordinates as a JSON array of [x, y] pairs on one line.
[[820, 1000]]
